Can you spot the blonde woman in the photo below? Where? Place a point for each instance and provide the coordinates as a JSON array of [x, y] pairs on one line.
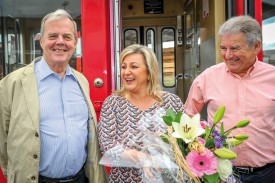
[[140, 95]]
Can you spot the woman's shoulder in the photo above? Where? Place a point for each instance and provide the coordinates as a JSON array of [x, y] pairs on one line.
[[170, 96], [114, 98], [171, 99]]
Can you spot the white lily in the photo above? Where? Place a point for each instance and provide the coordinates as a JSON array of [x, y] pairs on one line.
[[188, 128]]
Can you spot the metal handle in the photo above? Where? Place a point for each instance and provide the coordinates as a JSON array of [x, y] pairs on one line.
[[188, 76], [178, 76], [98, 82]]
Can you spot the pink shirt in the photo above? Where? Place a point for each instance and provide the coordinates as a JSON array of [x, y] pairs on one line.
[[251, 97]]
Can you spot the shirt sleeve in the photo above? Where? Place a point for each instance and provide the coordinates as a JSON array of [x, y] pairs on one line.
[[173, 102], [107, 129], [179, 107], [195, 100]]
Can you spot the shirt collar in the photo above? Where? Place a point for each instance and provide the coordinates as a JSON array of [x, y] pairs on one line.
[[254, 67], [44, 70]]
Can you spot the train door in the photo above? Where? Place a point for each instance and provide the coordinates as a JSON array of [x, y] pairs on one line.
[[191, 53], [1, 49], [161, 39], [10, 46]]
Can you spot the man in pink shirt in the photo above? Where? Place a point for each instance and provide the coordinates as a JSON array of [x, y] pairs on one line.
[[246, 87]]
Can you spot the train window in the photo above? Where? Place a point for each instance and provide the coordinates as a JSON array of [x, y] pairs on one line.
[[18, 46], [12, 41], [168, 56], [76, 60], [268, 40], [19, 25], [150, 39], [130, 37], [35, 45]]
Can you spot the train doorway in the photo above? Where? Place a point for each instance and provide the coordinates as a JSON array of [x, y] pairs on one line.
[[158, 25], [161, 39]]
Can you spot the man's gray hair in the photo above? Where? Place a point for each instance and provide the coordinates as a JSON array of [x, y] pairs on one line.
[[243, 24], [58, 14]]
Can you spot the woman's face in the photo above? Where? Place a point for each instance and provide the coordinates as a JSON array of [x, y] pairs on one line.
[[134, 73]]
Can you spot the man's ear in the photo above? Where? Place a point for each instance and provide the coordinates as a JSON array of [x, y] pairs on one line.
[[38, 37], [76, 41], [258, 47], [41, 43]]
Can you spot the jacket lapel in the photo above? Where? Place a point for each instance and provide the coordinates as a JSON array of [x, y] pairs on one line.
[[30, 90], [86, 92]]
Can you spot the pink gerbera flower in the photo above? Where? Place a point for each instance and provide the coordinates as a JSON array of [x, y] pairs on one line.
[[200, 165]]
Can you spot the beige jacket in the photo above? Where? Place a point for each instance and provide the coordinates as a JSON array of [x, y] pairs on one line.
[[19, 128]]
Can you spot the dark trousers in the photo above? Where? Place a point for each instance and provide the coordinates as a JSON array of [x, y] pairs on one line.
[[80, 179], [83, 179], [266, 175]]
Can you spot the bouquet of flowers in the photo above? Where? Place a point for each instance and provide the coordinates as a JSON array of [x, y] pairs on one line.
[[200, 148], [186, 150]]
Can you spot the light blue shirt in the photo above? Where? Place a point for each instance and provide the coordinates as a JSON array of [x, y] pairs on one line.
[[63, 122]]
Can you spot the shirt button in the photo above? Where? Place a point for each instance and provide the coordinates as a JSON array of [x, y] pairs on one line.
[[36, 134], [33, 177], [34, 156]]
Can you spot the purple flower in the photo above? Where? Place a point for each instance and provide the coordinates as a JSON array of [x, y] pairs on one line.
[[219, 140]]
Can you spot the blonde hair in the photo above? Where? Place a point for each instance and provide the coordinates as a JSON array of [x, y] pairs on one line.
[[154, 89]]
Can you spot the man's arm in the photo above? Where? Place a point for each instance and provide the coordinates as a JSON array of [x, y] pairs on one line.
[[195, 100], [4, 119]]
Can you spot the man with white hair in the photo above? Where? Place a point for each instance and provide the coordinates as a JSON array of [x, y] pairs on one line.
[[245, 86]]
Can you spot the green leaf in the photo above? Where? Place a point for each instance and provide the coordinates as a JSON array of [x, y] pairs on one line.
[[221, 130], [164, 138], [207, 129], [228, 132], [171, 113], [214, 178], [184, 150], [210, 143], [207, 132], [177, 117], [219, 114], [168, 120]]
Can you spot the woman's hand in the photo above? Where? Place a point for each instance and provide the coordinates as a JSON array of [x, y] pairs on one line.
[[135, 156], [144, 160]]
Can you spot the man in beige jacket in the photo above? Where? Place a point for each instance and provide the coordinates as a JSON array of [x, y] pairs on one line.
[[47, 121]]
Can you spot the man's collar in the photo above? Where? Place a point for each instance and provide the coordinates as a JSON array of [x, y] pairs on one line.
[[44, 69]]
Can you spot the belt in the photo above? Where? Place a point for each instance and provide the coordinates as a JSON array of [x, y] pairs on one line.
[[73, 179], [249, 170]]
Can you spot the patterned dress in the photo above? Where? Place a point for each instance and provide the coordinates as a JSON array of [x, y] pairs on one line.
[[118, 125]]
